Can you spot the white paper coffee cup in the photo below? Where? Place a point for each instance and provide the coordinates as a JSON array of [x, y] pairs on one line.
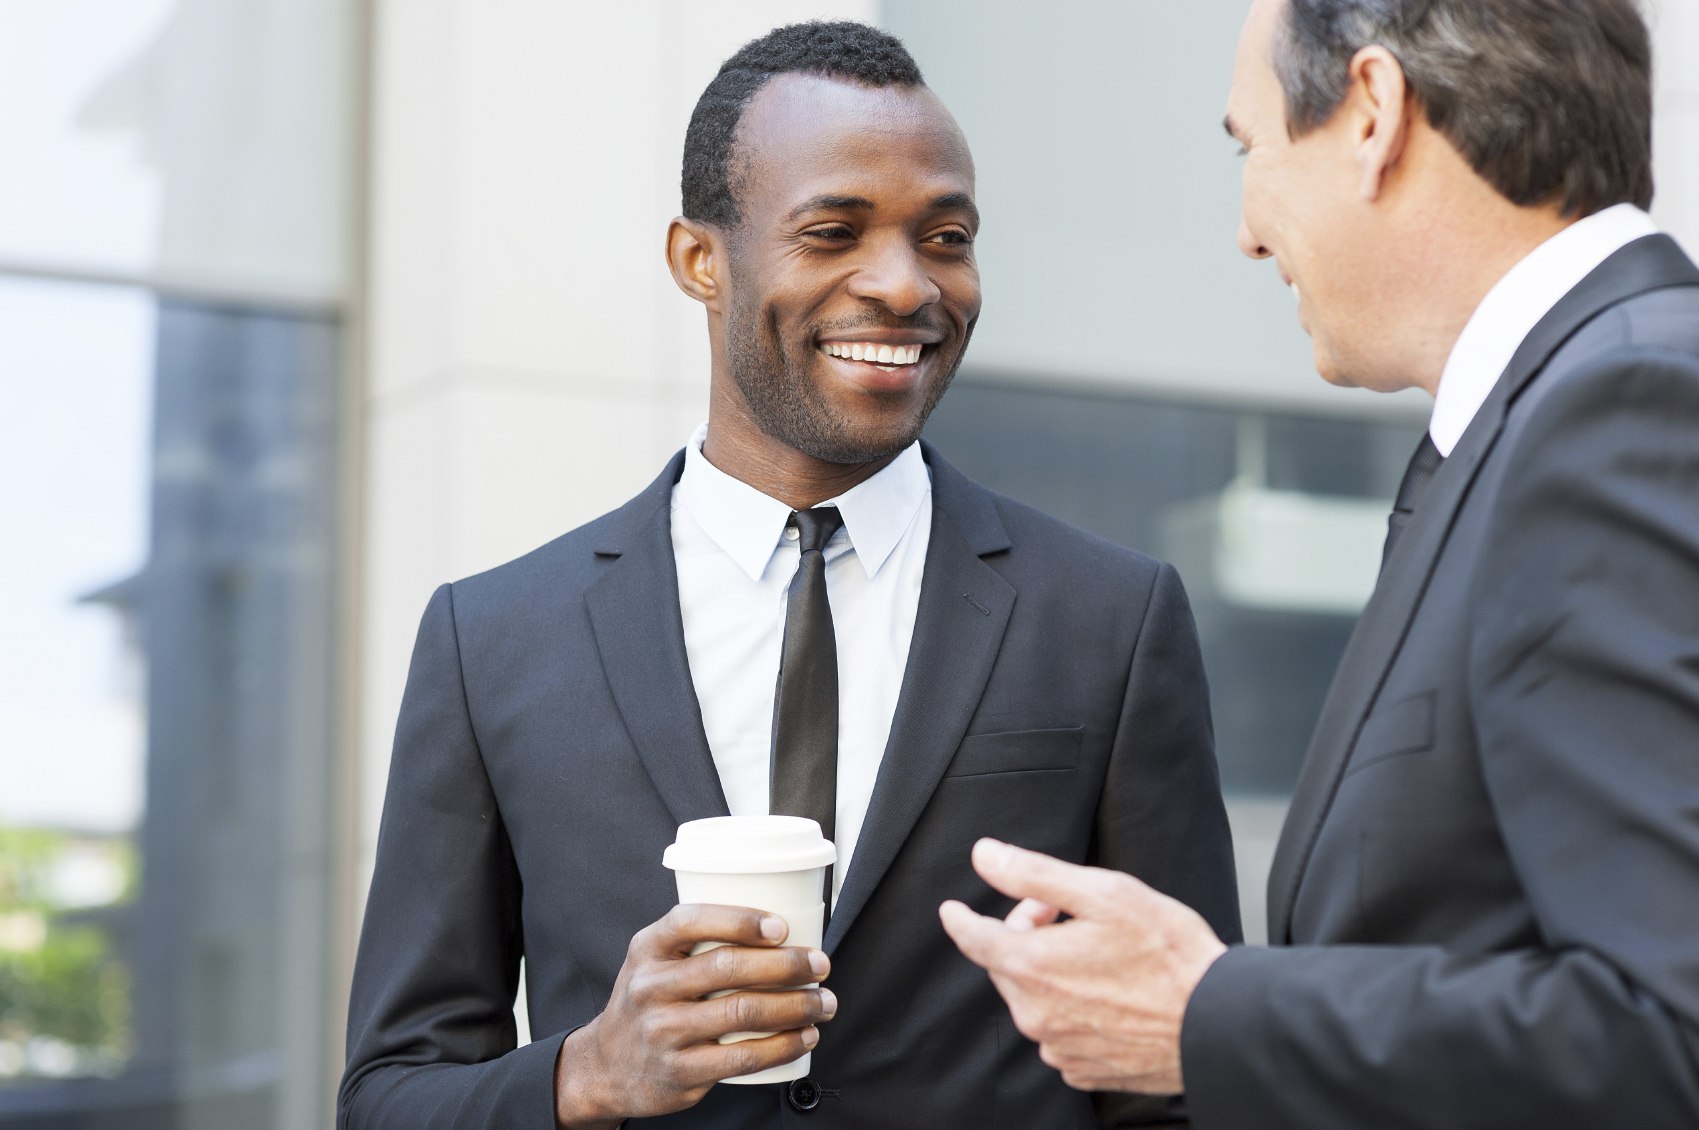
[[775, 864]]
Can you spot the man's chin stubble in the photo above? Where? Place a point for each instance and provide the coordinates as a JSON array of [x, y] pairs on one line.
[[805, 423]]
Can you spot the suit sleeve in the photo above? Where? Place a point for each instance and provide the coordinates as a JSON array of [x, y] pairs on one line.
[[431, 1032], [1161, 817], [1584, 670]]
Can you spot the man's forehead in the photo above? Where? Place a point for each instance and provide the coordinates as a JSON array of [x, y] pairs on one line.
[[1256, 37], [1254, 81], [813, 117]]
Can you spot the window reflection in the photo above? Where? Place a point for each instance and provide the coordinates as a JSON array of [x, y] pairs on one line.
[[75, 432], [165, 789], [197, 144], [84, 187]]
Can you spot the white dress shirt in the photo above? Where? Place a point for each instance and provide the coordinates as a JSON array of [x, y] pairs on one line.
[[735, 561], [1515, 304]]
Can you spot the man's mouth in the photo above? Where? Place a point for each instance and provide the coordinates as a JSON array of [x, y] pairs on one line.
[[886, 357]]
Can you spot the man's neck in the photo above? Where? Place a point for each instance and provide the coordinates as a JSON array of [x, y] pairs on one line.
[[799, 481], [1460, 263]]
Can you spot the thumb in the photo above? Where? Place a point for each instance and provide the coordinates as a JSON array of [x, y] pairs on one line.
[[1084, 892], [977, 936]]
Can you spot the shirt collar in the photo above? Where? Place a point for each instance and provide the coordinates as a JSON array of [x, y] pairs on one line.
[[748, 525], [1515, 304]]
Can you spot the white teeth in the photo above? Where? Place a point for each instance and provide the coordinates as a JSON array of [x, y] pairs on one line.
[[883, 355]]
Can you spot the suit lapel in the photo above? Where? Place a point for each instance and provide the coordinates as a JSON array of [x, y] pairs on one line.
[[1646, 264], [958, 628], [634, 612], [1373, 645]]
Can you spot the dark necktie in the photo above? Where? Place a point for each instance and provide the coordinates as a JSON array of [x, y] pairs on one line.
[[804, 779], [1423, 464]]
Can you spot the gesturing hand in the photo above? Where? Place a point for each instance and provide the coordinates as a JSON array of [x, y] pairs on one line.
[[653, 1049], [1104, 992]]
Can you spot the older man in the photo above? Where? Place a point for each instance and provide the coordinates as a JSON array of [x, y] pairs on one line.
[[808, 612], [1485, 902]]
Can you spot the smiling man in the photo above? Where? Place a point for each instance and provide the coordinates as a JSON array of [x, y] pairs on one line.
[[1483, 900], [808, 612]]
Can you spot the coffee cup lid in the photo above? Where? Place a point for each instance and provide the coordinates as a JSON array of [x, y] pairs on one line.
[[723, 845]]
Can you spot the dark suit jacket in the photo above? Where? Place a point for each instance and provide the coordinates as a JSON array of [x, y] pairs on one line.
[[550, 743], [1488, 883]]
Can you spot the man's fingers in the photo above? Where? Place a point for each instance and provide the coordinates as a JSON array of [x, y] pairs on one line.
[[688, 924], [713, 1062], [740, 967], [760, 1012], [977, 936], [686, 1023], [1084, 892], [1030, 914]]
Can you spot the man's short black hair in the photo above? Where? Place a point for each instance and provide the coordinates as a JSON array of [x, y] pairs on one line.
[[840, 49]]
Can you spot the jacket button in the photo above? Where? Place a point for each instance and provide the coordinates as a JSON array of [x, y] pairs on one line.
[[804, 1093]]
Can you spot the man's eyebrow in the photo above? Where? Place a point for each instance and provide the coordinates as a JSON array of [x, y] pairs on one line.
[[957, 200], [831, 203]]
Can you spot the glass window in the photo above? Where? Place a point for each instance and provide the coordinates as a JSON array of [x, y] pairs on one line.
[[75, 436], [167, 669], [72, 97], [165, 707], [204, 144]]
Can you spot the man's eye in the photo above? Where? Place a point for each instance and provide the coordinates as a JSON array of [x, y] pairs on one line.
[[835, 232], [951, 238]]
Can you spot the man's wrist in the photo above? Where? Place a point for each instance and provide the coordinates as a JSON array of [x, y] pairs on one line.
[[1197, 965], [1209, 953], [576, 1105], [1198, 1001]]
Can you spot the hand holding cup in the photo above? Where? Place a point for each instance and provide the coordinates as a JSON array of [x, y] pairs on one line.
[[656, 1048]]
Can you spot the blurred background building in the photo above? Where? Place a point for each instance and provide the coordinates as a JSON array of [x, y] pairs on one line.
[[309, 305]]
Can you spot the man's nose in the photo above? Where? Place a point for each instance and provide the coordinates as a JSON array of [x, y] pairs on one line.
[[1248, 243], [896, 276]]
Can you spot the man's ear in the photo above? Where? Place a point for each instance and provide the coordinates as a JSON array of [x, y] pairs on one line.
[[696, 256], [1382, 114]]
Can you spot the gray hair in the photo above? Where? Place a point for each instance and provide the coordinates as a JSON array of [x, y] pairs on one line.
[[1548, 100]]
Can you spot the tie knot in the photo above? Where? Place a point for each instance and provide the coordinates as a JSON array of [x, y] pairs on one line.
[[816, 527]]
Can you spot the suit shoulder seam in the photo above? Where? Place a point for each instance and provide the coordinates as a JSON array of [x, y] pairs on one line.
[[460, 674]]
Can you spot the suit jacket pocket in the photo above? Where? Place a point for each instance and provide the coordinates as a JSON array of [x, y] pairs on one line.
[[1018, 751], [1405, 726]]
